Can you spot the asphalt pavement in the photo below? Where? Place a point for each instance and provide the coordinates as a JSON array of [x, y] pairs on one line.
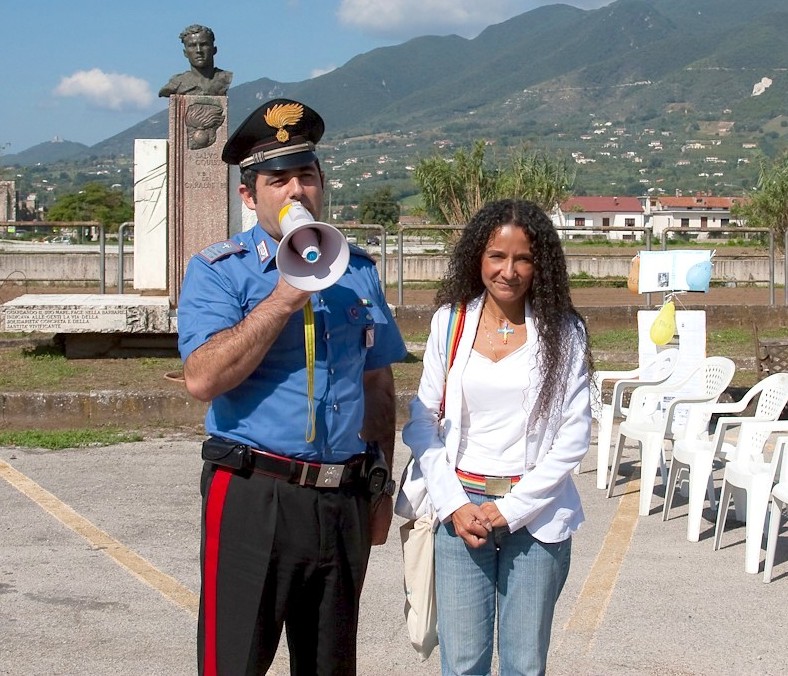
[[99, 575]]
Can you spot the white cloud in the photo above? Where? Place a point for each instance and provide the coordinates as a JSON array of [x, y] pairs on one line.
[[399, 19], [317, 72], [112, 91]]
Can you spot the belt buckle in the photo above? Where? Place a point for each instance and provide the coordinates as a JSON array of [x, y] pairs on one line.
[[329, 476], [497, 485]]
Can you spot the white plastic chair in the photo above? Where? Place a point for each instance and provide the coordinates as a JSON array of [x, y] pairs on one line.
[[659, 370], [650, 428], [778, 504], [698, 455], [748, 473]]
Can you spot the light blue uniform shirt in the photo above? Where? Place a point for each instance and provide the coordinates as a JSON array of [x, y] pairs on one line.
[[354, 332]]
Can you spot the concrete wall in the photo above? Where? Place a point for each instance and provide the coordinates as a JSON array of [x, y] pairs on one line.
[[84, 266], [72, 266]]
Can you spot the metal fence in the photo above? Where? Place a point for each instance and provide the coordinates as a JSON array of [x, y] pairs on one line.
[[646, 238]]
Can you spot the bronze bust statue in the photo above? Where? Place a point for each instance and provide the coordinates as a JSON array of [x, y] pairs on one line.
[[203, 77]]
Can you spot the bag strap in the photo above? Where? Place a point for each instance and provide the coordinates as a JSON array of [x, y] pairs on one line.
[[453, 335]]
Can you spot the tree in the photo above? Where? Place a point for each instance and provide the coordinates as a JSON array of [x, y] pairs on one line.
[[379, 207], [767, 206], [95, 202], [454, 190], [537, 177]]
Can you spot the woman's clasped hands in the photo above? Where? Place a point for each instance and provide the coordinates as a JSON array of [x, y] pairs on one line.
[[473, 523]]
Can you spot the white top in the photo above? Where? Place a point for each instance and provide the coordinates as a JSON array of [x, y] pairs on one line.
[[492, 435]]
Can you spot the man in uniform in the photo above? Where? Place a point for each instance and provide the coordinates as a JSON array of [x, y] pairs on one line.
[[203, 78], [302, 397]]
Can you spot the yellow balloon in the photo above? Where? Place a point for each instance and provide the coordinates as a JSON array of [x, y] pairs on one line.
[[664, 326]]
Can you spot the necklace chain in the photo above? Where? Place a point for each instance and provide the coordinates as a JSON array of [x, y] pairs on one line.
[[489, 338]]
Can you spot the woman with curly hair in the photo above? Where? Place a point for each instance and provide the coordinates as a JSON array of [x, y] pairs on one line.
[[495, 440]]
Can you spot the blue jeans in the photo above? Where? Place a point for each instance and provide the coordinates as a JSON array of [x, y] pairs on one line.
[[514, 572]]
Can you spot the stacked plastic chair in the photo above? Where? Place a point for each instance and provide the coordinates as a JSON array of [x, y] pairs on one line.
[[697, 455], [658, 370], [646, 424], [778, 504]]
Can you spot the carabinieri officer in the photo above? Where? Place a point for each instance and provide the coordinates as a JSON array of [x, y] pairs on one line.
[[296, 484]]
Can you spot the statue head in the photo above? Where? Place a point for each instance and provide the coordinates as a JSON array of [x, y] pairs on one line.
[[198, 46]]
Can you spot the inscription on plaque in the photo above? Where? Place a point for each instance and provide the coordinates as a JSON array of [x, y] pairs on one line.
[[65, 319]]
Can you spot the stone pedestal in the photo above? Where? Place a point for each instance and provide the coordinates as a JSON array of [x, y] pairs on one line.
[[198, 180], [97, 325], [87, 313]]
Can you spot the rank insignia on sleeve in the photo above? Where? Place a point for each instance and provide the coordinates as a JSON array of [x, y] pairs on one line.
[[220, 250]]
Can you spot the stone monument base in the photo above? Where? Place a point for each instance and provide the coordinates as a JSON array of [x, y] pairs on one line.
[[97, 325]]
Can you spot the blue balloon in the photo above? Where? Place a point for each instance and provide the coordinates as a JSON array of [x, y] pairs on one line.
[[699, 276]]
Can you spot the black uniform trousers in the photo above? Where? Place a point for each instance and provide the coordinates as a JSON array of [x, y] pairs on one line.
[[277, 554]]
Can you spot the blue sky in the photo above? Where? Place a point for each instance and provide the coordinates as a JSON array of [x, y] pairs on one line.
[[85, 70]]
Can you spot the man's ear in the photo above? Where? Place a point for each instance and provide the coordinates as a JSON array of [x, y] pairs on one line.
[[247, 196]]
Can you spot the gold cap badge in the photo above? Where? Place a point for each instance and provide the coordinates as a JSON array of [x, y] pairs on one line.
[[282, 115]]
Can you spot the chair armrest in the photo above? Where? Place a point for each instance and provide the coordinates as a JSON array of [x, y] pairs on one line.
[[601, 376], [735, 421], [772, 426], [649, 386], [670, 412], [730, 407]]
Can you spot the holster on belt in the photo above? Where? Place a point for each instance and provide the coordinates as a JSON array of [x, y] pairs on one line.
[[227, 453]]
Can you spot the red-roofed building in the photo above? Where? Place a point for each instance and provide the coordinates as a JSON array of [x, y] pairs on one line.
[[694, 212], [589, 216]]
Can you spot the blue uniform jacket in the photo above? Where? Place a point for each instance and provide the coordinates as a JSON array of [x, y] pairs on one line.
[[354, 332]]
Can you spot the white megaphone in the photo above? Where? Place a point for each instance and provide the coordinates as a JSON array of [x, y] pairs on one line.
[[312, 255]]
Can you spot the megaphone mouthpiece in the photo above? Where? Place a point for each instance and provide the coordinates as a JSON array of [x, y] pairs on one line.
[[306, 243]]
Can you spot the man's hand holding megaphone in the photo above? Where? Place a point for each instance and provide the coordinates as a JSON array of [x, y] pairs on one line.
[[311, 255]]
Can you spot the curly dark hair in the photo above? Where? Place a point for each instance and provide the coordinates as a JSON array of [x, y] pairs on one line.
[[554, 314]]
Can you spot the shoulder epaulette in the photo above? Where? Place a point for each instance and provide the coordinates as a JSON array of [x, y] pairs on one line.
[[220, 250], [358, 251]]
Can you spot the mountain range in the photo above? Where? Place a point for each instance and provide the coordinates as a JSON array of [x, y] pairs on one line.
[[550, 67]]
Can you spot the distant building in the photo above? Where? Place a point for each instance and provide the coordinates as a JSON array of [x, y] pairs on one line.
[[699, 212], [595, 216]]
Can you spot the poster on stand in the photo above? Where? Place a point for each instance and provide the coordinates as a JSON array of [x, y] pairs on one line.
[[665, 271]]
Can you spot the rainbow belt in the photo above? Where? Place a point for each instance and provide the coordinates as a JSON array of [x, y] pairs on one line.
[[487, 485]]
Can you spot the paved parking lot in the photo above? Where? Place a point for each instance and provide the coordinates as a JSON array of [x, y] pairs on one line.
[[99, 575]]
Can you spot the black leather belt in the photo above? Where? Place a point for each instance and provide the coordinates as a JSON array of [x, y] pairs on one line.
[[307, 473]]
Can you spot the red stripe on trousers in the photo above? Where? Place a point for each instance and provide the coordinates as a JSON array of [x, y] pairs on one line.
[[213, 527]]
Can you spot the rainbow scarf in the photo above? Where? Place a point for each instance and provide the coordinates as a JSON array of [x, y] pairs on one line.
[[453, 335]]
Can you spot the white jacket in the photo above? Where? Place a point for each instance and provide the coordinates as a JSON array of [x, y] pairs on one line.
[[545, 500]]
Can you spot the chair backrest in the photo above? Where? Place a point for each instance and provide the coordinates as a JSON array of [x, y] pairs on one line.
[[773, 396], [772, 400], [655, 371], [704, 384], [717, 375], [662, 366]]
